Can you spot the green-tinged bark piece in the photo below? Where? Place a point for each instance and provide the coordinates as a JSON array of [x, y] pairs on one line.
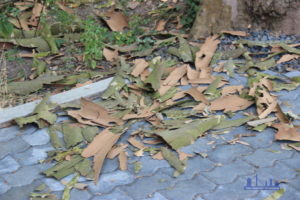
[[189, 132], [66, 194], [72, 135], [184, 50], [41, 115], [233, 54], [42, 196], [39, 65], [73, 79], [278, 86], [61, 155], [260, 127], [37, 42], [234, 123], [27, 87], [173, 160], [154, 79], [289, 48], [296, 78], [276, 195], [137, 167], [89, 132], [63, 168], [168, 95], [85, 168], [40, 187], [265, 65], [116, 85], [178, 114], [212, 90], [229, 67], [55, 141]]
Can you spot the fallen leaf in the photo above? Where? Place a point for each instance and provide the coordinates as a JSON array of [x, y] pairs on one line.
[[197, 95], [236, 33], [204, 56], [123, 161], [230, 103], [173, 160], [133, 141], [116, 21], [94, 113], [231, 89], [36, 11], [160, 26], [287, 132], [110, 55], [287, 57], [116, 151], [175, 75], [139, 67]]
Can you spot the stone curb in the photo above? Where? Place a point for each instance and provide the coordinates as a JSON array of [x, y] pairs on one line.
[[8, 114]]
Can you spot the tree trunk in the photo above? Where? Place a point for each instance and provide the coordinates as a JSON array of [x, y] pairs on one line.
[[281, 16]]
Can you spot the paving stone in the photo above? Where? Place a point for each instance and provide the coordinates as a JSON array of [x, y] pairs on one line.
[[267, 157], [278, 172], [156, 196], [8, 164], [194, 166], [228, 173], [33, 155], [293, 162], [261, 140], [53, 184], [80, 195], [149, 166], [20, 193], [227, 153], [199, 146], [12, 146], [231, 191], [39, 137], [8, 133], [23, 176], [117, 194], [28, 129], [289, 194], [109, 181], [145, 186], [4, 187], [295, 182], [186, 190]]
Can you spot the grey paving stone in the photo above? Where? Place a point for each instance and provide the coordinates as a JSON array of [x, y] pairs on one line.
[[4, 187], [227, 153], [39, 137], [20, 193], [156, 196], [194, 166], [117, 194], [293, 162], [228, 173], [289, 194], [295, 182], [186, 190], [28, 129], [53, 184], [8, 164], [199, 146], [12, 146], [33, 155], [278, 172], [145, 186], [109, 181], [261, 140], [80, 195], [23, 176], [149, 166], [231, 191], [8, 133], [267, 157]]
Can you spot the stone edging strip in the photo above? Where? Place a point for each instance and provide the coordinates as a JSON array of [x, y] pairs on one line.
[[8, 114]]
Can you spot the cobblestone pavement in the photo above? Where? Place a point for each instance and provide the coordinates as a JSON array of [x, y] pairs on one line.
[[222, 175]]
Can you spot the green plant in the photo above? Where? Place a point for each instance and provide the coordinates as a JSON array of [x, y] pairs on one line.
[[192, 8], [93, 40], [6, 28]]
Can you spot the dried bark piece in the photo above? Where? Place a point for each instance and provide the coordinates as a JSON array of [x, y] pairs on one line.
[[123, 161], [236, 33], [117, 20], [197, 95], [175, 75], [110, 55], [230, 103], [139, 66], [287, 132]]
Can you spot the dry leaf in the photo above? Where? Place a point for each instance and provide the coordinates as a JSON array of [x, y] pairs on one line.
[[139, 67], [287, 57], [231, 89], [175, 75], [36, 11], [287, 132], [204, 56], [123, 161], [134, 142], [158, 156], [197, 95], [237, 33], [110, 55], [92, 113], [117, 20], [160, 26], [116, 151], [230, 103]]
